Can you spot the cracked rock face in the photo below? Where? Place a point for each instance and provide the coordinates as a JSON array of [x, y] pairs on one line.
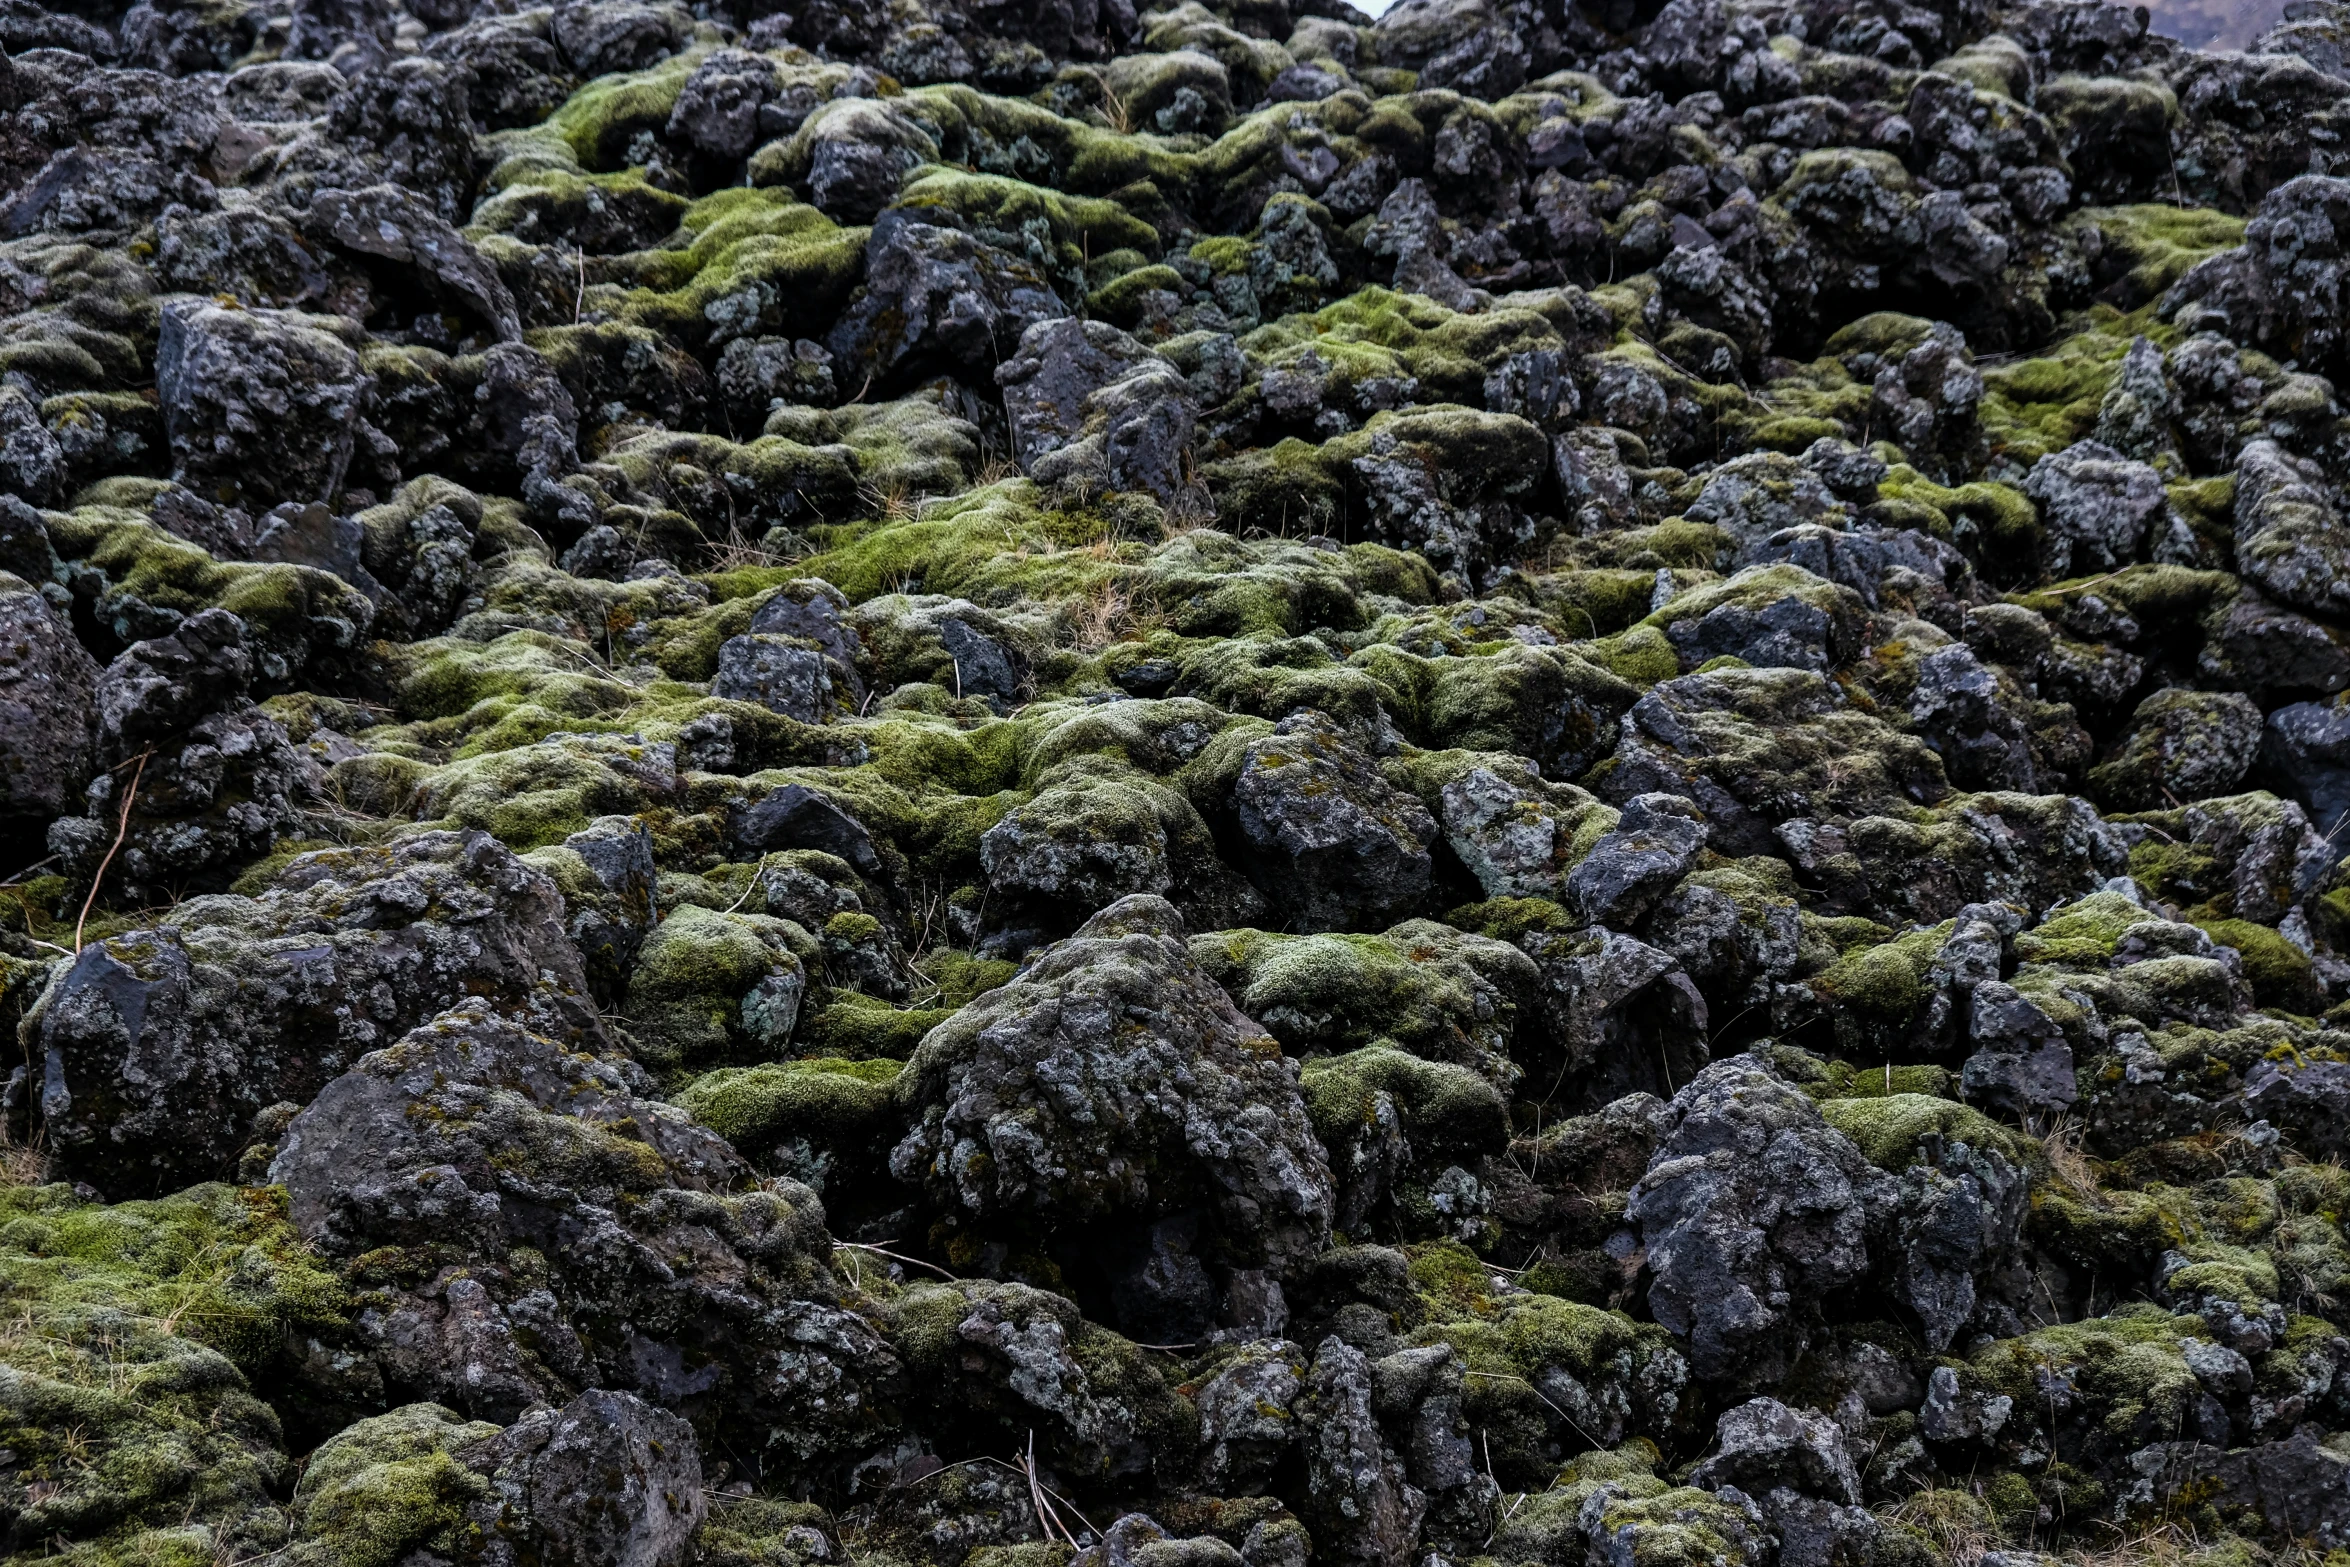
[[1173, 783]]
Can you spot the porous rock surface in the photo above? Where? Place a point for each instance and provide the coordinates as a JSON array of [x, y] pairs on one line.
[[1173, 783]]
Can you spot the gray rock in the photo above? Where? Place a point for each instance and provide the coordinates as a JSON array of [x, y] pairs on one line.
[[1787, 634], [1961, 1211], [2181, 745], [391, 226], [2021, 1063], [1336, 846], [1248, 1415], [2283, 289], [158, 1047], [755, 373], [32, 466], [567, 1200], [605, 1481], [2140, 406], [1618, 1015], [2297, 1488], [797, 817], [1654, 845], [1083, 843], [934, 294], [1417, 1395], [1136, 1540], [2266, 650], [718, 111], [2311, 1101], [1114, 1079], [1019, 1360], [983, 667], [1752, 1210], [1762, 1444], [2305, 748], [1358, 1502], [261, 406], [606, 875], [48, 706], [159, 688], [776, 674], [2100, 510], [2290, 536], [1093, 410], [1514, 830]]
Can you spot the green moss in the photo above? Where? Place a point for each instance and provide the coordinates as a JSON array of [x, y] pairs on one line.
[[598, 121], [2081, 934], [2110, 1233], [749, 1531], [386, 1486], [1435, 992], [1643, 655], [962, 977], [1997, 64], [1886, 981], [818, 1097], [2158, 243], [132, 1331], [2281, 973], [1448, 1112], [286, 608], [711, 987], [1992, 516], [2127, 1368], [1891, 1129], [2039, 405]]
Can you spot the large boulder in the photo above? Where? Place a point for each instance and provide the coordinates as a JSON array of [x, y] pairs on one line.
[[157, 1048], [261, 406], [1334, 845], [1114, 1082], [1092, 410], [542, 1227], [1753, 1209]]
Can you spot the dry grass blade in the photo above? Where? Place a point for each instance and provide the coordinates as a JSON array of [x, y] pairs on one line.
[[2070, 1166], [122, 828]]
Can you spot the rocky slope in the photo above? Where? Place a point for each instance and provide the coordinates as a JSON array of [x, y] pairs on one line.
[[969, 784]]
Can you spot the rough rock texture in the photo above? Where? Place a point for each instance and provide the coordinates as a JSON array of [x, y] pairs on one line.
[[1174, 783]]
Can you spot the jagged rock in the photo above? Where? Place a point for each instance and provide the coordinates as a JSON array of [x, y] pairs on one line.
[[419, 1148], [1356, 1491], [936, 297], [606, 1481], [2101, 510], [158, 1048], [1762, 1445], [776, 674], [1193, 1111], [2307, 747], [1653, 846], [2181, 745], [1091, 408], [261, 406], [1752, 1209], [1337, 845], [48, 704]]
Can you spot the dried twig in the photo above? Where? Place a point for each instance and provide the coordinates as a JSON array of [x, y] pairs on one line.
[[915, 1262], [1046, 1518], [122, 828], [1495, 1376]]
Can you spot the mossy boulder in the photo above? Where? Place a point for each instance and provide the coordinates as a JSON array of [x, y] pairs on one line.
[[710, 987]]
